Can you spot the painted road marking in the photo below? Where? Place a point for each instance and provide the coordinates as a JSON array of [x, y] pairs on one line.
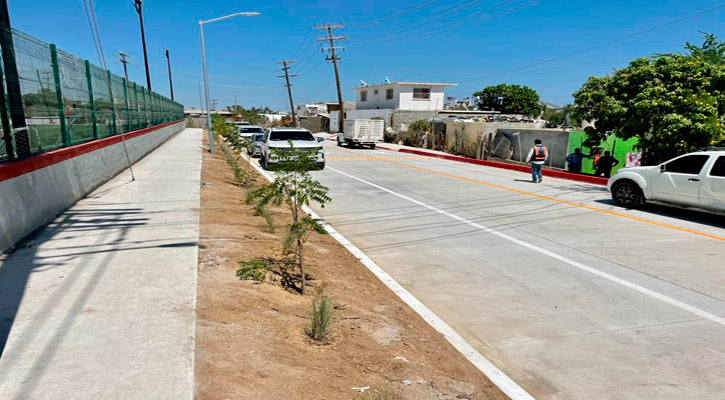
[[583, 267], [570, 203], [497, 377]]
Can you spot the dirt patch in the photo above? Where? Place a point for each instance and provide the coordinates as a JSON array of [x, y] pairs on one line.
[[251, 341]]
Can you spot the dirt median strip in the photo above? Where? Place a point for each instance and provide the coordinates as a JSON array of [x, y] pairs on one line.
[[251, 339]]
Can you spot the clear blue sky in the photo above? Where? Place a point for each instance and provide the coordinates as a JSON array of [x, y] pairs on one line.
[[241, 51]]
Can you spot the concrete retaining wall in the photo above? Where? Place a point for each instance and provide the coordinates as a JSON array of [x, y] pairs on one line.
[[35, 190]]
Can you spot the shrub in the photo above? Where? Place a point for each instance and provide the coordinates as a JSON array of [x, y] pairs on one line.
[[321, 320], [252, 271]]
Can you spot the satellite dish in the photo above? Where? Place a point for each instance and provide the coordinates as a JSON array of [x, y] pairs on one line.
[[387, 80], [362, 82]]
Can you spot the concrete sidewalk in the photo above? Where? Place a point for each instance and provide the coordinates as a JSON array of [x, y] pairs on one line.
[[100, 303]]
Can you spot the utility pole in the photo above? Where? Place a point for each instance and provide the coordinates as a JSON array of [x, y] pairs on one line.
[[171, 83], [286, 77], [213, 104], [137, 4], [334, 58], [201, 106], [124, 61]]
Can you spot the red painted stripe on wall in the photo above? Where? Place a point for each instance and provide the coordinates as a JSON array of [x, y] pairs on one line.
[[13, 169], [516, 167]]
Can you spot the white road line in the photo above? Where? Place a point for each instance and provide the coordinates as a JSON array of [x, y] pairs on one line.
[[497, 377], [584, 267]]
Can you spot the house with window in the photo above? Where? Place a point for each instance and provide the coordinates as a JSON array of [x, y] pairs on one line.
[[412, 96]]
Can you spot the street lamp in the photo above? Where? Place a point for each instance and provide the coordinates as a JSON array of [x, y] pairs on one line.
[[137, 5], [203, 65]]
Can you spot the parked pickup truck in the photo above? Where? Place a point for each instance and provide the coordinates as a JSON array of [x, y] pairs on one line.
[[362, 132], [692, 180], [284, 139]]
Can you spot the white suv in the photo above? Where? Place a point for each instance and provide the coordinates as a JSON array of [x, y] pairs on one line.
[[285, 139], [693, 180]]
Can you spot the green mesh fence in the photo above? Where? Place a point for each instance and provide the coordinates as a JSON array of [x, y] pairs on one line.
[[67, 100]]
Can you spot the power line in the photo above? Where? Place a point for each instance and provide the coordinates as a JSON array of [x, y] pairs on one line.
[[598, 46], [396, 15], [467, 18], [91, 15], [309, 32]]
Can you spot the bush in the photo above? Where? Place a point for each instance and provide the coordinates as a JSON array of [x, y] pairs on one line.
[[321, 320], [252, 271]]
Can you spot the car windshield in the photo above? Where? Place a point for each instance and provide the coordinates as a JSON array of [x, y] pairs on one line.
[[255, 129], [291, 135], [258, 137]]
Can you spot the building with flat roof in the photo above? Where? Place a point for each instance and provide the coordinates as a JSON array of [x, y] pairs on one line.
[[412, 96]]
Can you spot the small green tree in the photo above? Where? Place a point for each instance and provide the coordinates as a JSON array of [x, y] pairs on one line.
[[509, 99], [295, 186]]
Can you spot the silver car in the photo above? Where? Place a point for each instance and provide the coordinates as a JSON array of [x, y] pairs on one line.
[[257, 140]]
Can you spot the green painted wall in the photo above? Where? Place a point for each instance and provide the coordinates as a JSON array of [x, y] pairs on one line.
[[617, 146]]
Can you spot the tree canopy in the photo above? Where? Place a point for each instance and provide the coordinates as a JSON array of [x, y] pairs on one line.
[[509, 99], [673, 103]]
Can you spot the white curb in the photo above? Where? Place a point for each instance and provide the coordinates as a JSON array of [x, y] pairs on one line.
[[497, 377]]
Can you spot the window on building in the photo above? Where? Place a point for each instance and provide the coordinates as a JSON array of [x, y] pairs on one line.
[[364, 95], [375, 92], [421, 93], [389, 94], [691, 165]]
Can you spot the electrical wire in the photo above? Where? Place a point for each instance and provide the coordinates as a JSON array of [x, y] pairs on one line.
[[475, 22], [93, 25], [439, 15], [401, 13], [597, 46], [302, 44]]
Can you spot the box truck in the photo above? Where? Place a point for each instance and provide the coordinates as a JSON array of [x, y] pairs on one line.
[[362, 132]]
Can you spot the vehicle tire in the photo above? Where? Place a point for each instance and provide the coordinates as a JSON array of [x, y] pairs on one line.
[[627, 194], [350, 143], [372, 146]]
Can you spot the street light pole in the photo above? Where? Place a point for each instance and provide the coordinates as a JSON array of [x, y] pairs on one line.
[[137, 4], [203, 67], [171, 83]]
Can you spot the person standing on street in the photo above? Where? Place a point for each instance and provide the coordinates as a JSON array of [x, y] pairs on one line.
[[605, 165], [575, 160], [537, 156]]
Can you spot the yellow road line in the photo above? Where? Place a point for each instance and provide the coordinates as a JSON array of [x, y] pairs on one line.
[[548, 198]]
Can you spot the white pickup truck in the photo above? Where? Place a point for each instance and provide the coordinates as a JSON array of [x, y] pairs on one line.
[[362, 132], [692, 180]]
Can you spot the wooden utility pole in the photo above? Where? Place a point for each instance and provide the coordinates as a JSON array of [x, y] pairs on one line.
[[334, 58], [286, 76], [124, 61]]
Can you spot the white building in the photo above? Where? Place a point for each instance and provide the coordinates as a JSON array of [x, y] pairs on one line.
[[413, 96]]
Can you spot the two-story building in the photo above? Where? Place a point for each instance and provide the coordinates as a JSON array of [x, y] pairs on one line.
[[413, 96]]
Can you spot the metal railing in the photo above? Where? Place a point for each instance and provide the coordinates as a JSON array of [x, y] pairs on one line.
[[67, 101]]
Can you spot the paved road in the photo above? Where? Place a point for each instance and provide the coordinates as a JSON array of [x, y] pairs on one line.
[[101, 301], [571, 296]]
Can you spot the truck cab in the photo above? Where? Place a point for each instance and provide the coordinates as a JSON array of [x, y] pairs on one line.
[[691, 180]]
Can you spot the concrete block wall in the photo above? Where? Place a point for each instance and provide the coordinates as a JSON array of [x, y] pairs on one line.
[[400, 117], [555, 140], [36, 190]]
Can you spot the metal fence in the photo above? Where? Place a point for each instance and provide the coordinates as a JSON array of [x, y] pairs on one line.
[[67, 100]]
